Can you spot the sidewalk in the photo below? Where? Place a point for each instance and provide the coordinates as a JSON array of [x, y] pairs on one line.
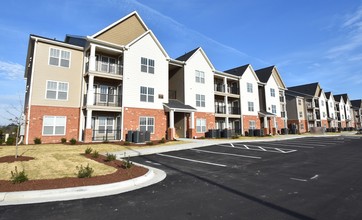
[[152, 177]]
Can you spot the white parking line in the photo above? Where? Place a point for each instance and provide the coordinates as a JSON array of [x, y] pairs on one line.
[[196, 161], [228, 154], [264, 149], [290, 145], [302, 180]]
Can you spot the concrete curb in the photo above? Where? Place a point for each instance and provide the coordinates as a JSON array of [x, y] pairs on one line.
[[153, 176]]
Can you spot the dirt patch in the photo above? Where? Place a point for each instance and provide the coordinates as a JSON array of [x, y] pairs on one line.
[[12, 159], [121, 174]]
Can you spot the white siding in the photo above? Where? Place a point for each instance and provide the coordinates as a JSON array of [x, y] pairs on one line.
[[323, 108], [248, 77], [198, 62], [272, 100], [133, 78]]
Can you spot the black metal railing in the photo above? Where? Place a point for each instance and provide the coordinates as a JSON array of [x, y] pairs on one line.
[[106, 135], [220, 109], [234, 110], [101, 99], [219, 87]]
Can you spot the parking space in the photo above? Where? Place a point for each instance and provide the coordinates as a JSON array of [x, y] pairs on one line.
[[304, 178]]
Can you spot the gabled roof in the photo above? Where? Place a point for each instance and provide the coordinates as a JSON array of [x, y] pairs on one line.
[[338, 98], [238, 71], [187, 55], [264, 75], [308, 89], [178, 106], [190, 54], [357, 103], [123, 31], [328, 94]]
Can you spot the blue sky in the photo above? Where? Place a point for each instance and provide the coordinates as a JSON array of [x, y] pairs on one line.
[[309, 41]]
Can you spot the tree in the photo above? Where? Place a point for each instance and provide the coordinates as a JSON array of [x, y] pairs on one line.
[[18, 119]]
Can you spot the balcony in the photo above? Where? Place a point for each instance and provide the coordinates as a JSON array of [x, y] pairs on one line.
[[109, 100], [220, 109], [106, 135], [309, 105], [219, 88], [229, 89], [234, 110], [310, 118], [107, 67], [233, 90]]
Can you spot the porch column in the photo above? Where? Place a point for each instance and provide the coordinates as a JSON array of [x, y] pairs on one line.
[[172, 119], [274, 126], [88, 133], [90, 92], [89, 119], [92, 58], [192, 124], [171, 129], [266, 126], [225, 84]]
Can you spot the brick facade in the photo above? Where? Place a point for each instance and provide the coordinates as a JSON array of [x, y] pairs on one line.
[[324, 123], [247, 118], [131, 121], [36, 123], [301, 129], [210, 123]]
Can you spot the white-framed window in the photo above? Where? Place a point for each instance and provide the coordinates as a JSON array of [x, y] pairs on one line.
[[56, 90], [274, 109], [249, 87], [54, 125], [299, 102], [147, 65], [147, 94], [59, 57], [331, 105], [200, 100], [105, 124], [250, 106], [300, 114], [200, 125], [301, 126], [322, 103], [252, 124], [324, 114], [199, 76], [147, 124], [272, 92]]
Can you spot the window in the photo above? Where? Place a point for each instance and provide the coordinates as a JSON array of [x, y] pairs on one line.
[[322, 103], [300, 114], [252, 124], [54, 125], [200, 125], [301, 126], [272, 92], [299, 102], [250, 106], [105, 124], [147, 65], [57, 90], [59, 57], [200, 100], [330, 104], [249, 87], [147, 124], [274, 109], [324, 114], [199, 76], [147, 94]]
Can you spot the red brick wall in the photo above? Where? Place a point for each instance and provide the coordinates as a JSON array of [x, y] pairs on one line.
[[210, 122], [290, 122], [324, 123], [36, 123], [131, 121], [344, 124], [247, 118]]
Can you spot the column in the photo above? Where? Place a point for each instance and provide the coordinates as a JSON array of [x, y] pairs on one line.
[[90, 92], [172, 118], [191, 130], [192, 124], [92, 58], [88, 133], [171, 129]]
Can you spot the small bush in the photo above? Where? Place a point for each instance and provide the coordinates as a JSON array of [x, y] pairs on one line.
[[235, 137], [10, 141], [126, 143], [63, 140], [149, 143], [84, 172], [110, 157], [37, 140], [18, 177], [95, 154], [88, 150], [1, 141], [73, 141], [127, 163], [202, 137], [162, 141]]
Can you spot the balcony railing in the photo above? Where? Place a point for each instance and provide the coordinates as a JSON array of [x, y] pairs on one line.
[[310, 118], [282, 114], [281, 99], [234, 110], [219, 87], [110, 68], [229, 89], [220, 109], [233, 90], [101, 99], [106, 135]]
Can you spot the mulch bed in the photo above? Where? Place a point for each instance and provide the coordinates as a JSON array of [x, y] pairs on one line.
[[11, 159], [121, 174]]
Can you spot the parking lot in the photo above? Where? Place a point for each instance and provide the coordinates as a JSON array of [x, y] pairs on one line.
[[303, 178]]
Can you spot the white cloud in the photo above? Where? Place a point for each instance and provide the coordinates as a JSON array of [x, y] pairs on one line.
[[11, 71]]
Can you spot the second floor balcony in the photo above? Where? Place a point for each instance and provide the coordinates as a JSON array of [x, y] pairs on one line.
[[107, 67], [230, 89], [102, 99]]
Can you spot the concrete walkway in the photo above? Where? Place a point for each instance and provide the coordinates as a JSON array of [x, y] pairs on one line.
[[152, 177]]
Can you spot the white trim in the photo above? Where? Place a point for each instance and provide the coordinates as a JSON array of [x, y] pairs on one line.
[[61, 44], [55, 117], [147, 117], [60, 57], [57, 91]]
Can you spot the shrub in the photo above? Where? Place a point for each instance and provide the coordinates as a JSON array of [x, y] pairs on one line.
[[162, 141], [10, 141], [235, 137], [84, 172], [95, 154], [63, 140], [110, 157], [73, 141], [88, 150], [149, 143], [127, 163], [126, 143], [37, 140], [18, 177]]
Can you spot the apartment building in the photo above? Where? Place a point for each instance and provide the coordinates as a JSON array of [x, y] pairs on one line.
[[296, 110], [348, 111], [357, 109], [315, 103], [331, 111], [272, 102], [340, 111]]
